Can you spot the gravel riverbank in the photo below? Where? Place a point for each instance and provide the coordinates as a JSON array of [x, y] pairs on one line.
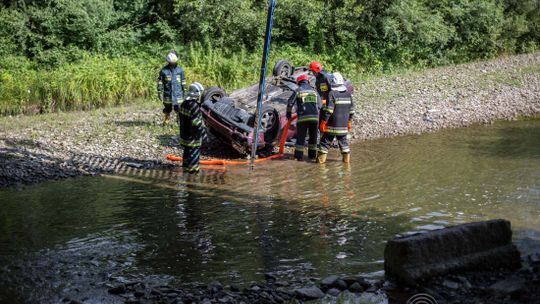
[[58, 145]]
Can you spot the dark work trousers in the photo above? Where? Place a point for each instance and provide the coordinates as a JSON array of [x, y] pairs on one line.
[[304, 128], [191, 158], [167, 107], [328, 138]]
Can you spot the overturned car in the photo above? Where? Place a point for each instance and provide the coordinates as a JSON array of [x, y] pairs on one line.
[[231, 117]]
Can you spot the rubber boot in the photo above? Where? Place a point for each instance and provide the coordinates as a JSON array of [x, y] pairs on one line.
[[299, 155], [346, 158], [321, 158], [167, 119], [312, 155]]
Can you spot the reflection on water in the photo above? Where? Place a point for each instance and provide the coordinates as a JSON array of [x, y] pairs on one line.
[[294, 219]]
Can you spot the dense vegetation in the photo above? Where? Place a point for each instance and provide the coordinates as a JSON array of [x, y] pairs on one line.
[[69, 54]]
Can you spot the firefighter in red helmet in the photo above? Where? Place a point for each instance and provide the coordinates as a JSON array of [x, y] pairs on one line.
[[322, 80]]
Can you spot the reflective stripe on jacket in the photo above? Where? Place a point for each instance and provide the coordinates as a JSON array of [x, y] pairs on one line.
[[171, 84], [308, 103], [322, 84], [337, 112], [191, 126]]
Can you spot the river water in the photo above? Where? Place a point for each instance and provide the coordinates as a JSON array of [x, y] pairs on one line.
[[295, 220]]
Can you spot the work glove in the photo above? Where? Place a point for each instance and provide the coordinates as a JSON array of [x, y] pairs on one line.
[[288, 115], [176, 108], [349, 126], [322, 126]]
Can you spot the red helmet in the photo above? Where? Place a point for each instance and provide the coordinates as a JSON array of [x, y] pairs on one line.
[[302, 78], [315, 66]]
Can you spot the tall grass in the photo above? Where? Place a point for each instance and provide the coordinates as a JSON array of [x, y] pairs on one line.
[[100, 81], [95, 81]]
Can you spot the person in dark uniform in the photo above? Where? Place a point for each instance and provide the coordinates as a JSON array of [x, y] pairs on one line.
[[191, 128], [336, 119], [308, 104], [171, 85], [322, 80]]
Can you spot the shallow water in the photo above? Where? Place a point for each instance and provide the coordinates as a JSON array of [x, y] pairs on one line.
[[292, 219]]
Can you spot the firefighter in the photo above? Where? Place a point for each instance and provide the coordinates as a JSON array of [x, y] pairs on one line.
[[191, 128], [171, 86], [336, 117], [308, 104], [322, 80]]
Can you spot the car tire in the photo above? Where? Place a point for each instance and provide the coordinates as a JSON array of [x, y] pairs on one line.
[[214, 94], [282, 68], [269, 122]]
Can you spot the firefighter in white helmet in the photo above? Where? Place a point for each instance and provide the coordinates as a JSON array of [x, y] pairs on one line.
[[171, 85]]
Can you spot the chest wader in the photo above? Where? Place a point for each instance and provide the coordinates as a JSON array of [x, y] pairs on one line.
[[191, 134]]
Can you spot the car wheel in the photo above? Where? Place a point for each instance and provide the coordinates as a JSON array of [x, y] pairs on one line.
[[282, 68], [214, 94], [270, 123]]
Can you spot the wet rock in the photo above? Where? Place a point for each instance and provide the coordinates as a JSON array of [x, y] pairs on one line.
[[309, 293], [329, 280], [120, 289], [534, 259], [333, 292], [269, 277], [340, 284], [156, 292], [226, 299], [350, 280], [356, 287], [450, 284], [234, 288], [215, 287], [281, 283], [139, 293], [510, 286]]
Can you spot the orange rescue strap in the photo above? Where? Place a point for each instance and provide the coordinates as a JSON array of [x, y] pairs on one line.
[[223, 162]]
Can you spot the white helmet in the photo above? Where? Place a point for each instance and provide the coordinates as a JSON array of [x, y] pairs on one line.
[[195, 90], [171, 58], [337, 82]]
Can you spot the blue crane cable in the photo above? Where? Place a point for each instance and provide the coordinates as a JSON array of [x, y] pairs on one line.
[[262, 80]]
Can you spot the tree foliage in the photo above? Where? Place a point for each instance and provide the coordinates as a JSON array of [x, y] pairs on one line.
[[391, 32], [220, 42]]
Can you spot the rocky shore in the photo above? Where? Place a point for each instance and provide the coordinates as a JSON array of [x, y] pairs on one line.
[[493, 287], [58, 145]]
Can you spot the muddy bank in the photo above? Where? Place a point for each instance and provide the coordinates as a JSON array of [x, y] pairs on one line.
[[53, 146]]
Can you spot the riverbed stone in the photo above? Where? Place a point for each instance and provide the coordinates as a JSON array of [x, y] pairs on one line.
[[309, 293], [120, 289], [510, 286], [333, 292], [356, 287], [474, 246], [329, 280]]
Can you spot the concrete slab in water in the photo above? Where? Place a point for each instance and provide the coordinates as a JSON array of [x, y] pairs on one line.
[[473, 246]]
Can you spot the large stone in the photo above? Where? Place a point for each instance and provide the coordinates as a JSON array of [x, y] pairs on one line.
[[509, 286], [473, 246], [329, 280], [309, 293]]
